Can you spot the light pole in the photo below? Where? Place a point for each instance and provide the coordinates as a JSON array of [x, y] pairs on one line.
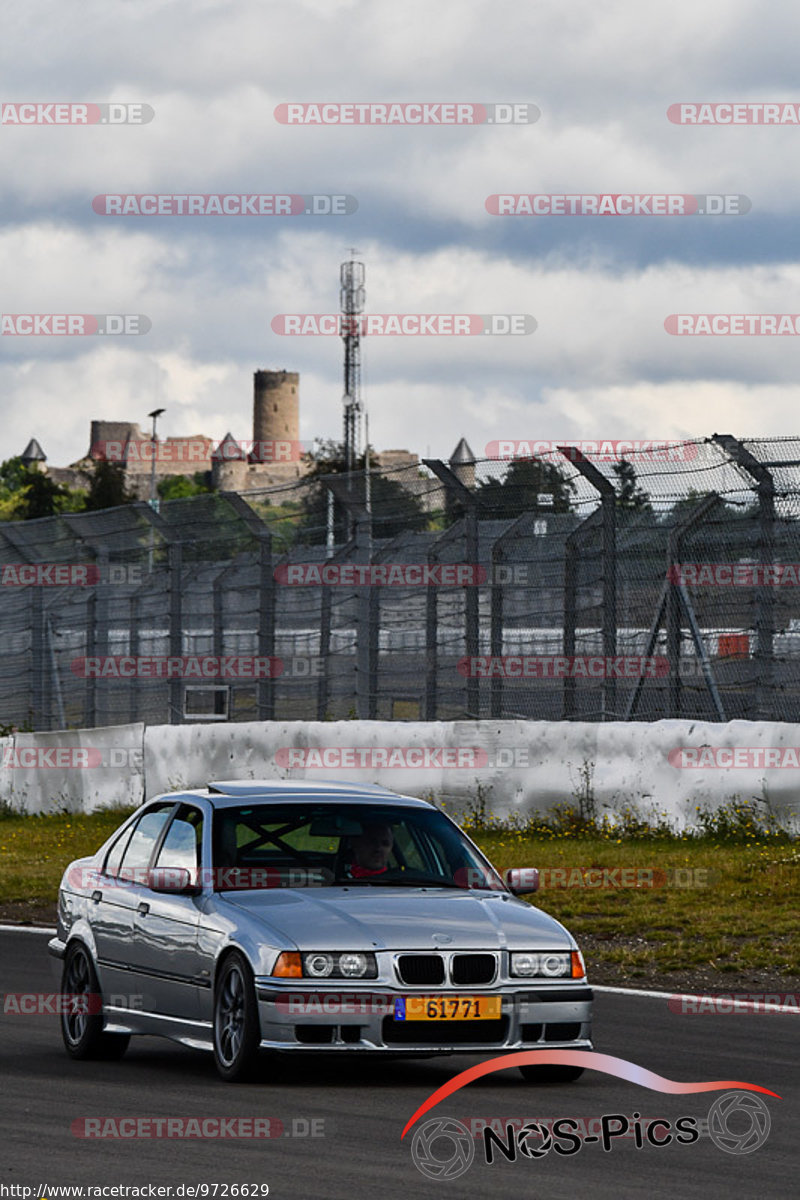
[[155, 414]]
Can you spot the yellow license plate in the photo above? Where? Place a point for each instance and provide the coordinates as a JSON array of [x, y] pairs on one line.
[[448, 1008]]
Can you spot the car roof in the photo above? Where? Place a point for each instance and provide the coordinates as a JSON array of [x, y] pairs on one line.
[[224, 793]]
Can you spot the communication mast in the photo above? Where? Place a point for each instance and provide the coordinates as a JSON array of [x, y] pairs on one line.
[[351, 300]]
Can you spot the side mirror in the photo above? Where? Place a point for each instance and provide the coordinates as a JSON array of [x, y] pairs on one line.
[[521, 880], [173, 880]]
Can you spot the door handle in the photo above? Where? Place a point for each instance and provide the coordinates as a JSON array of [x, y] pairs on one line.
[[97, 896], [143, 909]]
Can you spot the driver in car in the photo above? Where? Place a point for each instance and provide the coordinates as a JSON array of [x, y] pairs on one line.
[[371, 850]]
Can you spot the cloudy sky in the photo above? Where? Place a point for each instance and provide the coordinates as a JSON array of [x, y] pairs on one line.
[[600, 363]]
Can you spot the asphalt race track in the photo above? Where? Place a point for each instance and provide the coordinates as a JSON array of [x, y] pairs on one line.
[[360, 1109]]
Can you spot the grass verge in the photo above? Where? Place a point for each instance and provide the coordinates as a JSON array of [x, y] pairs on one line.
[[722, 905]]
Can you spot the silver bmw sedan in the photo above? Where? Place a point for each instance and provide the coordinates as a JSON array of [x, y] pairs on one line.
[[298, 917]]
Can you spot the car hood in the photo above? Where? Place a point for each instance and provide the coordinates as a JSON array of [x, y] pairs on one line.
[[366, 918]]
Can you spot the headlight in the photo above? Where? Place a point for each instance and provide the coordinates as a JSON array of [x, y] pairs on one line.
[[345, 964], [318, 965], [546, 965], [554, 964], [525, 964], [353, 965]]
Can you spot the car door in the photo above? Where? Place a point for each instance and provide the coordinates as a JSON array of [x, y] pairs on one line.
[[113, 902], [165, 950]]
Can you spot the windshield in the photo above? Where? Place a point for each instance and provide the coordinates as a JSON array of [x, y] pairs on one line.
[[314, 845]]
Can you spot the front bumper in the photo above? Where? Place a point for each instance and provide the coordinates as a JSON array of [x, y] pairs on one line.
[[360, 1018]]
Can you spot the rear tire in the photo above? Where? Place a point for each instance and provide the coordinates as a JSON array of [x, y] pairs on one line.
[[551, 1073], [237, 1030], [81, 1028]]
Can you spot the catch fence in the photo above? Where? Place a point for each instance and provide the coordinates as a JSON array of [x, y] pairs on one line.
[[559, 586]]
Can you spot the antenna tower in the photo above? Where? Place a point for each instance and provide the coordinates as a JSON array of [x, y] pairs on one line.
[[351, 300]]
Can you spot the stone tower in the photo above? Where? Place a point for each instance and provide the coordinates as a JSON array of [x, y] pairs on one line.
[[462, 463], [229, 466], [276, 410], [107, 438]]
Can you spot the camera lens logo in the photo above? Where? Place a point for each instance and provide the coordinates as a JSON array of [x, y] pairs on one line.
[[443, 1137], [739, 1122], [526, 1140]]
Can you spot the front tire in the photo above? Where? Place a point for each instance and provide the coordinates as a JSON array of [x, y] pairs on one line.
[[237, 1031], [81, 1028], [551, 1073]]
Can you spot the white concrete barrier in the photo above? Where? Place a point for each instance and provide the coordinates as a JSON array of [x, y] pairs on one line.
[[664, 768], [74, 770], [509, 766]]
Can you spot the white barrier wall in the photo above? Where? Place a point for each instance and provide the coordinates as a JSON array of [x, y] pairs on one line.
[[76, 770], [516, 766], [513, 766]]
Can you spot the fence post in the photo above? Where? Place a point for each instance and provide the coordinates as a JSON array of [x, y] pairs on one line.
[[326, 604], [471, 606], [40, 704], [366, 641], [260, 531], [674, 594], [101, 593], [431, 648], [133, 650], [571, 552], [41, 710], [608, 504], [90, 690], [175, 555], [765, 596], [496, 629], [360, 520]]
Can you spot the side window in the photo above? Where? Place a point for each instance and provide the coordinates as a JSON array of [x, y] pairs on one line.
[[183, 843], [114, 856], [137, 853]]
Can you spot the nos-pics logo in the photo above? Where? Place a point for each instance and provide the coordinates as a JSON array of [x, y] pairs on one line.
[[444, 1149]]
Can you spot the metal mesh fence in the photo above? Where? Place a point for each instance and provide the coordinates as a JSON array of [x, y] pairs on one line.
[[558, 585]]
